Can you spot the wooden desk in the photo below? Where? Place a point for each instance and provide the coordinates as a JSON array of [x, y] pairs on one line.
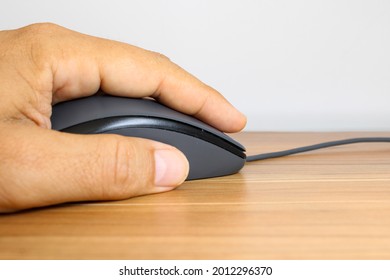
[[327, 204]]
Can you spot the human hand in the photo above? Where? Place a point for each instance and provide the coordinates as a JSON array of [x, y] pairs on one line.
[[43, 64]]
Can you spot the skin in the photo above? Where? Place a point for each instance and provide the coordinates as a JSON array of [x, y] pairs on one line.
[[43, 64]]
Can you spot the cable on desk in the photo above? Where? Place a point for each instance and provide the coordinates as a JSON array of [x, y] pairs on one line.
[[318, 146]]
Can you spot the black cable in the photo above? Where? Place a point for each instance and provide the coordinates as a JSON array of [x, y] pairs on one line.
[[318, 146]]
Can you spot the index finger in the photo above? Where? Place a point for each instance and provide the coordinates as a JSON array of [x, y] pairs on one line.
[[84, 64]]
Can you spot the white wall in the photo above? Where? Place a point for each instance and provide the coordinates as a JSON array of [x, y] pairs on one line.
[[288, 65]]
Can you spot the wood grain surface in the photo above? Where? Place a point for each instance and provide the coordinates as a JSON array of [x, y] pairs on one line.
[[327, 204]]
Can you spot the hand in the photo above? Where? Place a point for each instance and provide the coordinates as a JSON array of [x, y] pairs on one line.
[[43, 64]]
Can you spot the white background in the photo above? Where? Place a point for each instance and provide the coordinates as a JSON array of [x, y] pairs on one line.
[[296, 65]]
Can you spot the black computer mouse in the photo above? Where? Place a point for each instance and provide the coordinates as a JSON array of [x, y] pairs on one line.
[[210, 152]]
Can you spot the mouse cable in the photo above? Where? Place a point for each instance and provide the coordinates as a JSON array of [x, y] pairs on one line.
[[317, 146]]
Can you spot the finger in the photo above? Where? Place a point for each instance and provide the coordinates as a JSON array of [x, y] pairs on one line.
[[160, 78], [50, 167], [82, 64]]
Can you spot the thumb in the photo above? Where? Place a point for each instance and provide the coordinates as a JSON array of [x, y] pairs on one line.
[[44, 167]]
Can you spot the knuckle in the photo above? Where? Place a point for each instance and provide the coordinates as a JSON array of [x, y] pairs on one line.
[[38, 35], [159, 57], [42, 28], [121, 164], [40, 41], [35, 40], [122, 170]]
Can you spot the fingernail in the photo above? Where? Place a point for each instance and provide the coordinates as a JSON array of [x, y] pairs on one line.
[[171, 168]]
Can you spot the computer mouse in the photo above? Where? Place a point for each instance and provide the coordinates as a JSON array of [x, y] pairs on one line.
[[210, 152]]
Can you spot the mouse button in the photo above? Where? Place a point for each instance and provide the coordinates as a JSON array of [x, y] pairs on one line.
[[152, 108], [74, 112], [113, 124], [112, 106]]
